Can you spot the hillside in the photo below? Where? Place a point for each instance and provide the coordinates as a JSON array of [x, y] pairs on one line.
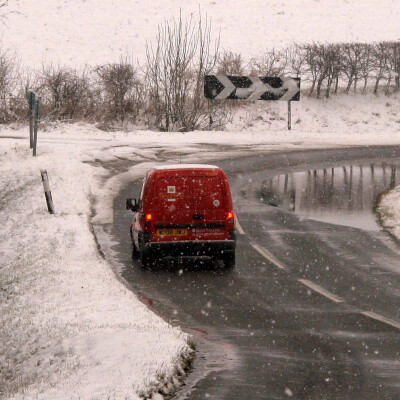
[[88, 31]]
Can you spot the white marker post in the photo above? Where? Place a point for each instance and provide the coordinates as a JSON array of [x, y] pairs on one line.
[[47, 192]]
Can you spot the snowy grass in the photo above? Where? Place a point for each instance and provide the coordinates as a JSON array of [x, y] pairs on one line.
[[68, 328]]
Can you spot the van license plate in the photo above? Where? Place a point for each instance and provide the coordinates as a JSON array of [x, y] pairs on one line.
[[171, 232]]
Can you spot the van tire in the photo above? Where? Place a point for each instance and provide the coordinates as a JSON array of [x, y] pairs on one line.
[[135, 252], [229, 261]]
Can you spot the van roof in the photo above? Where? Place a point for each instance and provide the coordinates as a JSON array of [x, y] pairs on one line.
[[186, 166]]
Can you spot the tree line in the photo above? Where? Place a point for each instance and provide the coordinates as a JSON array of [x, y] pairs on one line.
[[166, 93]]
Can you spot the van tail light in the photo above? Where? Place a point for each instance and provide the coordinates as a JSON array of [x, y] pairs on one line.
[[148, 218], [230, 215]]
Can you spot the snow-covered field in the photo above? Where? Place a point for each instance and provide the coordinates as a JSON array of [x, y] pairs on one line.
[[78, 32], [69, 328]]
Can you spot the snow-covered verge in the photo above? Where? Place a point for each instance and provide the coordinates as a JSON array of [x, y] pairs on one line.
[[389, 211], [68, 328]]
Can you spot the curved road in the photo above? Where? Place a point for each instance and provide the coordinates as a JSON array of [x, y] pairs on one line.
[[311, 310]]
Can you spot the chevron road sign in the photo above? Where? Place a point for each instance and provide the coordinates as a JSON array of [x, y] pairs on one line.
[[221, 87]]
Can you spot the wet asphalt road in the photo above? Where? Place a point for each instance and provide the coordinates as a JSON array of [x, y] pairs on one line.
[[261, 333]]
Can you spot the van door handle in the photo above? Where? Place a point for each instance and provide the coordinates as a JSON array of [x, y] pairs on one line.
[[197, 216]]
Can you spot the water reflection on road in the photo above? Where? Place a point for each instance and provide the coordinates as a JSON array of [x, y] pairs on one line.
[[341, 195]]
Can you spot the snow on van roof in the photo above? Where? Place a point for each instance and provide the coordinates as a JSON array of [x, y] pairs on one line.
[[185, 166]]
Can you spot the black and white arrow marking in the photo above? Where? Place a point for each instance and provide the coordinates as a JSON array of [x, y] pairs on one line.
[[251, 88]]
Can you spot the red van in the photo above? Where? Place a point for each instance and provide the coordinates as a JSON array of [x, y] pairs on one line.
[[183, 211]]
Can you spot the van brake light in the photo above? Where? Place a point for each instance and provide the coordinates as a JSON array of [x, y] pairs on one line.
[[229, 215], [148, 217]]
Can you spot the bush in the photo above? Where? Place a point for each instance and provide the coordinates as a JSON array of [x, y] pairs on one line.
[[66, 93], [121, 90], [8, 86]]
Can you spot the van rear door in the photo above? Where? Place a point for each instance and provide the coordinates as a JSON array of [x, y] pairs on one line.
[[209, 205], [190, 206], [173, 204]]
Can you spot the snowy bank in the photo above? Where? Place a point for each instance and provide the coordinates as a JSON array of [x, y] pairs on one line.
[[69, 329], [389, 211]]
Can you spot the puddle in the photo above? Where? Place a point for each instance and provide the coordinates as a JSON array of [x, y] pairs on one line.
[[340, 195]]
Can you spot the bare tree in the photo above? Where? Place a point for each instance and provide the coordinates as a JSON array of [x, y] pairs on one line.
[[3, 6], [393, 64], [310, 56], [230, 64], [366, 64], [176, 66], [272, 63], [351, 63], [296, 62], [8, 84], [381, 54]]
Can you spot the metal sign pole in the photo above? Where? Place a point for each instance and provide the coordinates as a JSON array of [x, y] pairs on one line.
[[210, 107], [31, 99], [289, 115], [34, 129], [36, 116]]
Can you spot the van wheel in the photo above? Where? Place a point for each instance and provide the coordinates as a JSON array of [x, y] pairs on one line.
[[135, 252], [229, 261]]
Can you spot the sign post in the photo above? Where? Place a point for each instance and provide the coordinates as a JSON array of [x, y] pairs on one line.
[[34, 116], [31, 97], [223, 87]]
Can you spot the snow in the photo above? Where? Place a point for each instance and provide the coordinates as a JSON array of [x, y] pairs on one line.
[[389, 211], [69, 328], [84, 32]]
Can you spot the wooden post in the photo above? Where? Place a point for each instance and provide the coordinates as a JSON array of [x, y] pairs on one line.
[[47, 192], [289, 116]]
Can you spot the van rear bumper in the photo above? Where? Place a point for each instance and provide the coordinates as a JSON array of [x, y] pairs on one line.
[[197, 248]]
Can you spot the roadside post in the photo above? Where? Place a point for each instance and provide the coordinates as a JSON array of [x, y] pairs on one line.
[[31, 97], [47, 192], [224, 87], [35, 124], [34, 116]]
